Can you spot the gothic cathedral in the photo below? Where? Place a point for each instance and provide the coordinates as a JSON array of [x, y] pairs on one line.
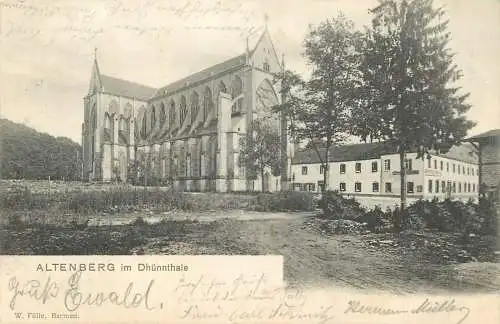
[[188, 132]]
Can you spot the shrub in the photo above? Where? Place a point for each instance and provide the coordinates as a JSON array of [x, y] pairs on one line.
[[337, 207], [285, 201], [411, 219], [377, 220], [487, 210], [452, 216]]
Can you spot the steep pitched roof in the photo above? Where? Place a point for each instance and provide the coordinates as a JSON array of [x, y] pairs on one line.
[[352, 152], [490, 133], [203, 74], [367, 151], [126, 88], [215, 69]]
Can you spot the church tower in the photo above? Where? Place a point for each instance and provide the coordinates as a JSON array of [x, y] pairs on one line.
[[91, 135]]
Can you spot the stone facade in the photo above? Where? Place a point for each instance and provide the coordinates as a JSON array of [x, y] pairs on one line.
[[187, 133], [488, 145]]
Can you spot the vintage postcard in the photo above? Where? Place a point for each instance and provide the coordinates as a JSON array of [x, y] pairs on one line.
[[249, 161]]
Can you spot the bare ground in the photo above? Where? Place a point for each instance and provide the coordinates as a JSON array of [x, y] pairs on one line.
[[346, 261]]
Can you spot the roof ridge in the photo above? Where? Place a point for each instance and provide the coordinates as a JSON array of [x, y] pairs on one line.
[[199, 73], [124, 80]]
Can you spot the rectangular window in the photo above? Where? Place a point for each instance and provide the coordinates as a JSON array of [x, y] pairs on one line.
[[454, 186], [419, 188], [458, 169], [304, 170], [409, 187], [448, 187], [437, 186], [473, 187], [472, 170], [342, 186], [441, 165], [459, 187], [453, 167], [358, 167], [447, 166], [443, 186], [375, 187], [342, 168], [429, 162], [374, 166], [463, 170], [388, 187], [408, 164], [429, 189], [468, 171], [435, 164], [357, 186], [387, 165], [468, 187], [321, 169]]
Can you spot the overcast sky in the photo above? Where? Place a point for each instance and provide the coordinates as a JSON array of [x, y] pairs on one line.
[[47, 47]]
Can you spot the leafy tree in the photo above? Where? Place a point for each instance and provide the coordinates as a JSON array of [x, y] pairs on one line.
[[28, 154], [408, 95], [260, 150], [320, 107]]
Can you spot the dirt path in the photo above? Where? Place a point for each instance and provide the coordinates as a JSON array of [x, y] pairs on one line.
[[311, 259]]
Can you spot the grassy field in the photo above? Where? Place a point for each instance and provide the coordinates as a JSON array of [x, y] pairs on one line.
[[38, 223]]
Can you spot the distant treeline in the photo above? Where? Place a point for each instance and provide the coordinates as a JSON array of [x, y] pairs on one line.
[[28, 154]]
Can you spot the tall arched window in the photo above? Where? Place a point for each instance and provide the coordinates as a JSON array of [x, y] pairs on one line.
[[208, 103], [266, 66], [163, 114], [144, 125], [188, 165], [93, 126], [172, 114], [153, 117], [183, 109], [222, 88], [107, 123], [128, 111], [200, 153], [114, 107], [121, 123], [236, 90], [195, 106]]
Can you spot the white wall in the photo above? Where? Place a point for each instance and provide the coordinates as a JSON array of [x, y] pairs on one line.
[[366, 177], [459, 177], [420, 174]]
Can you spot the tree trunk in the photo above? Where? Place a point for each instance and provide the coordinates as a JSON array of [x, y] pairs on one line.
[[326, 171], [402, 163], [262, 178]]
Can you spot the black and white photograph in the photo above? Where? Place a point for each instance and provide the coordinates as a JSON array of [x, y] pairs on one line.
[[359, 140]]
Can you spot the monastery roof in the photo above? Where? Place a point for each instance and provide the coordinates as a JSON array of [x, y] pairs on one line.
[[203, 74], [351, 152], [490, 133], [367, 151], [126, 88]]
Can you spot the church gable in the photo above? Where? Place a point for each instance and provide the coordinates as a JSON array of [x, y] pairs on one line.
[[264, 55]]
